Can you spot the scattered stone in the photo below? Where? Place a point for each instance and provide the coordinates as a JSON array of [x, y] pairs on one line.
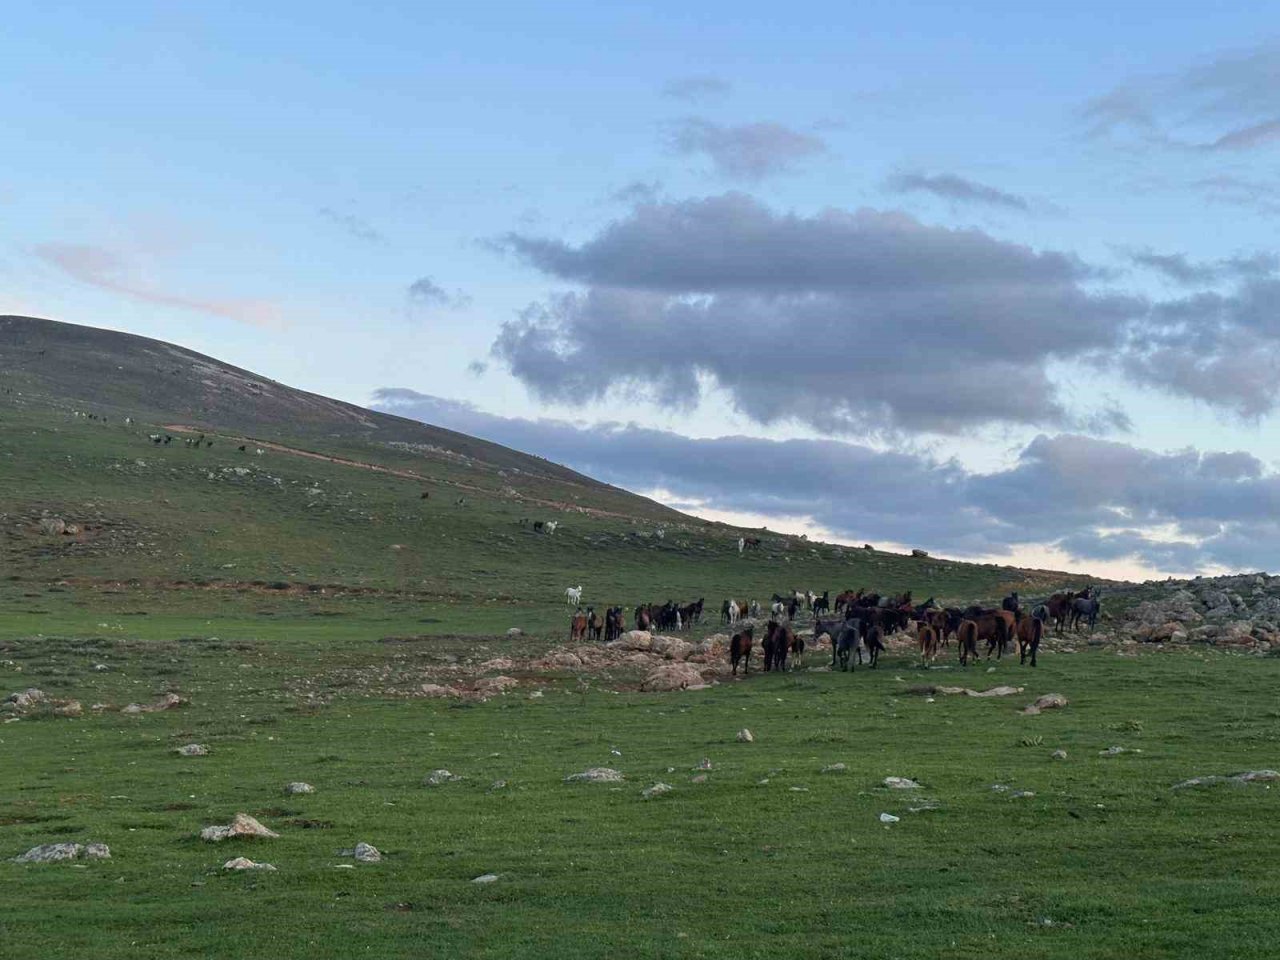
[[889, 818], [513, 632], [24, 699], [1022, 794], [1000, 788], [167, 702], [595, 775], [437, 777], [657, 790], [244, 863], [702, 778], [192, 750], [68, 708], [486, 878], [901, 783], [490, 686], [834, 768], [1248, 776], [435, 690], [1059, 755], [53, 852], [1115, 751], [1049, 701], [241, 825], [673, 676], [744, 736], [1001, 691], [367, 853], [53, 526], [298, 787]]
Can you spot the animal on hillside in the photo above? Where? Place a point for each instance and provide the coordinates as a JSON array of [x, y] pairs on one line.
[[777, 608], [822, 604], [967, 641], [644, 618], [550, 526], [242, 448], [809, 597], [732, 612], [927, 640], [753, 609], [538, 525], [1085, 608], [740, 651], [794, 607], [874, 642], [614, 624], [752, 543], [577, 627], [460, 502], [1011, 603], [426, 495], [938, 619], [595, 624], [1030, 632], [845, 634], [778, 641], [992, 627], [155, 438], [742, 545], [1059, 606], [572, 595]]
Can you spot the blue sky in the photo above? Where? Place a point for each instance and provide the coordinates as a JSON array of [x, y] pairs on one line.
[[268, 186]]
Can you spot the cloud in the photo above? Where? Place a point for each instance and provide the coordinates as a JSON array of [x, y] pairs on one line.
[[638, 191], [696, 88], [1238, 191], [109, 270], [951, 187], [425, 290], [1179, 268], [877, 321], [1228, 104], [353, 226], [749, 151], [1177, 511]]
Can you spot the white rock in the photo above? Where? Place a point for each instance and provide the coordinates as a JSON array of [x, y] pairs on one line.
[[298, 787], [367, 853], [244, 863], [193, 750], [53, 852], [241, 825], [889, 818], [595, 775], [834, 768], [486, 878], [1059, 754], [744, 736], [657, 790], [900, 783], [437, 777]]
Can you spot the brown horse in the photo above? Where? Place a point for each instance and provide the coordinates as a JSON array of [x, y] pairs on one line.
[[992, 627], [578, 627], [938, 620], [778, 641], [1030, 631], [1059, 606], [967, 641], [740, 651], [927, 638], [644, 619], [595, 624]]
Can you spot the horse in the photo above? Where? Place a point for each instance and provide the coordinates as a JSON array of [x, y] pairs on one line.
[[613, 624], [822, 604], [927, 639], [1011, 603], [777, 609], [938, 620], [595, 624], [778, 640], [1059, 606], [732, 611], [874, 641], [740, 651], [742, 545], [794, 607], [577, 627], [751, 542], [1030, 631], [967, 641], [992, 627], [644, 619], [572, 595], [1085, 608]]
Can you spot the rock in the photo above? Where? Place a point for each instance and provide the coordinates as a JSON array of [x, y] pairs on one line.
[[167, 702], [497, 663], [437, 777], [889, 818], [1059, 755], [657, 790], [900, 783], [53, 526], [486, 878], [1049, 701], [672, 648], [68, 708], [53, 852], [244, 863], [699, 778], [24, 700], [1001, 691], [634, 640], [298, 787], [492, 686], [367, 853], [595, 775], [435, 690], [744, 736], [672, 676], [834, 768], [1115, 751], [241, 825], [562, 660], [192, 750], [1256, 776], [1022, 794], [513, 632]]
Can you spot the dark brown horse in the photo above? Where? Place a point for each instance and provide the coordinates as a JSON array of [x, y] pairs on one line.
[[595, 624], [967, 641], [1030, 631], [740, 651], [927, 639], [778, 641], [578, 627]]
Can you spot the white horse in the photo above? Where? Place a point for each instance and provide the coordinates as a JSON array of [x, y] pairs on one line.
[[742, 545], [550, 527], [572, 595], [778, 608], [754, 609], [734, 612]]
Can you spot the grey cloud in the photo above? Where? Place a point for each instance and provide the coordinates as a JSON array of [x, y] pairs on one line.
[[1239, 192], [951, 187], [1247, 138], [1094, 499], [696, 88], [353, 226], [1181, 269], [894, 324], [638, 191], [427, 291], [749, 151]]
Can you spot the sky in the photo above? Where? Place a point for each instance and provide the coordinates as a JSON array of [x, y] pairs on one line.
[[994, 280]]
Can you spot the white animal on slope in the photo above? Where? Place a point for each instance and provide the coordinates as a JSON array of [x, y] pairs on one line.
[[572, 595], [778, 608], [734, 612], [809, 597], [742, 545], [550, 526], [754, 609]]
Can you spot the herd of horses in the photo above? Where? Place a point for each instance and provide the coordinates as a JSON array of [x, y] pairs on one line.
[[859, 624]]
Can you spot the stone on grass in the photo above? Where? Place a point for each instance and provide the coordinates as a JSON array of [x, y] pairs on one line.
[[167, 702], [244, 863], [901, 783], [192, 750], [486, 878], [513, 632], [888, 818], [676, 675], [53, 852], [657, 790], [437, 777], [595, 775], [1115, 751], [367, 853], [435, 690], [834, 768], [744, 736], [1049, 701], [1001, 691], [241, 825], [1059, 754], [298, 787]]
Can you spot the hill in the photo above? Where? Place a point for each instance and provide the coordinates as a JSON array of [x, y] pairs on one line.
[[343, 499]]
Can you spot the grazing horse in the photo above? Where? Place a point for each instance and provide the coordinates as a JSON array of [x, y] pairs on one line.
[[927, 639], [1030, 631], [740, 651], [753, 609], [777, 609], [1085, 608], [822, 604], [967, 641], [742, 545], [726, 615], [794, 607], [577, 627], [939, 621], [595, 624], [751, 542]]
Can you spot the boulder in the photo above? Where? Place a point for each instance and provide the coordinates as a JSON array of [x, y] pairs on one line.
[[244, 863], [595, 775], [438, 777], [53, 852], [672, 648], [672, 676], [513, 632], [298, 787], [492, 686], [167, 702], [744, 736], [192, 750], [561, 660], [367, 853], [901, 783], [435, 690], [53, 526], [1049, 701], [241, 825], [657, 790], [634, 640], [24, 700]]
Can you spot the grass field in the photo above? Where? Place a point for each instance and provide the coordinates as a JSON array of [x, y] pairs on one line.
[[299, 604]]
